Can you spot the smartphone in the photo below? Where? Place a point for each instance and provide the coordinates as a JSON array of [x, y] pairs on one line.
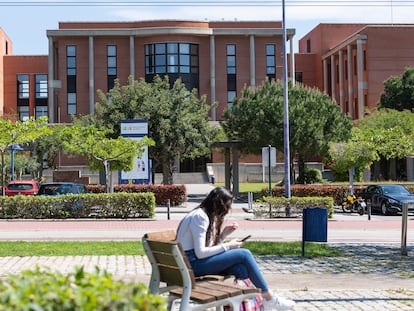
[[246, 238]]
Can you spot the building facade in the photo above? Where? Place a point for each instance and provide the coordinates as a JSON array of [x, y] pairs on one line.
[[352, 61], [217, 58]]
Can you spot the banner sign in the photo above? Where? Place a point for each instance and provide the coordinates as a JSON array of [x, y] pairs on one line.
[[141, 171]]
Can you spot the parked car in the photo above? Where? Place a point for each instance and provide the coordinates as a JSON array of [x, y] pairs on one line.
[[23, 187], [387, 198], [59, 188]]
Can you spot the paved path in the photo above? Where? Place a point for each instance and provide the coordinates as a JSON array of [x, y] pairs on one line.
[[371, 274]]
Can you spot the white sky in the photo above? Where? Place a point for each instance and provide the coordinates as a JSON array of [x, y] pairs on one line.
[[26, 24]]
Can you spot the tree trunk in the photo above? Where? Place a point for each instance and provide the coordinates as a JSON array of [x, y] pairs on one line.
[[167, 171]]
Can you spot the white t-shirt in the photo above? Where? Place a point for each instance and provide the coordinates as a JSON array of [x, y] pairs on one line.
[[192, 235]]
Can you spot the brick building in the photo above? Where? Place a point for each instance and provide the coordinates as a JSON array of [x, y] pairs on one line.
[[348, 61]]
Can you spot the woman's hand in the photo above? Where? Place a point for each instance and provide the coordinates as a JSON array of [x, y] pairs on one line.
[[229, 229], [235, 243]]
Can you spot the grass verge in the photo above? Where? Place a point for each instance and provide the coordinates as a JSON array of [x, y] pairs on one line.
[[107, 248]]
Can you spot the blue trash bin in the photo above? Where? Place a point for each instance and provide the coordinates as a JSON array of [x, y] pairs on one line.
[[314, 226], [213, 179]]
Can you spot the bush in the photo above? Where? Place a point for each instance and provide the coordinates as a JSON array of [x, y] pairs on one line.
[[177, 194], [337, 193], [104, 205], [279, 206], [310, 176], [45, 290]]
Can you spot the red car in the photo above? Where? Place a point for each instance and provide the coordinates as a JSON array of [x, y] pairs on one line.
[[23, 187]]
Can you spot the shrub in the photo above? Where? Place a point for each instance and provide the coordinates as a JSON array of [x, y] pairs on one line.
[[280, 206], [104, 205], [310, 176], [45, 290], [176, 194]]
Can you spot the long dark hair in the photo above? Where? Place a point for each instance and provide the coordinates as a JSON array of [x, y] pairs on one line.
[[217, 204]]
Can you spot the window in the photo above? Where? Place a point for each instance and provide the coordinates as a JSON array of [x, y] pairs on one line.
[[231, 59], [230, 96], [71, 60], [23, 86], [71, 78], [111, 65], [71, 103], [41, 86], [178, 60], [271, 61], [23, 113], [231, 73], [41, 111], [172, 57]]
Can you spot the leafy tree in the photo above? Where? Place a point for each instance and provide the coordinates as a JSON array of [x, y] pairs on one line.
[[355, 153], [399, 92], [177, 119], [20, 133], [390, 132], [103, 153], [48, 146], [256, 120]]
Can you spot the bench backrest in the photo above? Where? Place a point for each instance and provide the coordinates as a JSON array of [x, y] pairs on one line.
[[168, 260]]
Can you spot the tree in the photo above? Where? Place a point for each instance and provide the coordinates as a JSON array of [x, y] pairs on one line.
[[399, 92], [177, 119], [354, 155], [104, 153], [19, 133], [256, 120], [391, 132]]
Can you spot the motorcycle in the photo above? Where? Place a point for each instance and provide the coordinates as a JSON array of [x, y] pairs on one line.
[[353, 204]]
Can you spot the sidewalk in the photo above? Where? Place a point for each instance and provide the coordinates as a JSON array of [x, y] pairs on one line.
[[372, 275]]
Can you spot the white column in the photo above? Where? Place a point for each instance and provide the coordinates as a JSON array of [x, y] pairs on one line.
[[341, 80], [91, 77], [360, 77], [292, 62], [51, 84], [213, 78], [132, 56], [333, 78], [350, 82]]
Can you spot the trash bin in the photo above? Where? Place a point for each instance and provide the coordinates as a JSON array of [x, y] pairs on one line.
[[213, 179], [314, 226]]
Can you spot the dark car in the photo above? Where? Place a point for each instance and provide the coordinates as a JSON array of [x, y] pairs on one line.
[[23, 187], [59, 188], [387, 198]]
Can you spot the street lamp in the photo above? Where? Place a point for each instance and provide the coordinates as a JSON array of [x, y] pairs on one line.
[[13, 148]]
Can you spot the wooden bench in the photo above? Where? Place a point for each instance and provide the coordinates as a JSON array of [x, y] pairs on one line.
[[171, 266]]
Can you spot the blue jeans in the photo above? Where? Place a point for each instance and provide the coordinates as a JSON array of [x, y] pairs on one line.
[[238, 262]]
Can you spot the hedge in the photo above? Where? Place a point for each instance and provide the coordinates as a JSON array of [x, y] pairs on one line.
[[104, 205], [272, 207], [175, 194], [45, 290]]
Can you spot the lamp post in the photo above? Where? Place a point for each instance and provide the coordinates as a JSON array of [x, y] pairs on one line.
[[13, 148]]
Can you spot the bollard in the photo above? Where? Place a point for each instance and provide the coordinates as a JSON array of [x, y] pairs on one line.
[[168, 209], [404, 229], [250, 200], [369, 209]]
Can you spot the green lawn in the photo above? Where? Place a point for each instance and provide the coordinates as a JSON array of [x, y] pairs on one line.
[[59, 248]]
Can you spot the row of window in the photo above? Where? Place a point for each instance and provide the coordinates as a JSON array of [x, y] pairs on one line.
[[160, 58], [231, 69], [23, 89], [23, 95]]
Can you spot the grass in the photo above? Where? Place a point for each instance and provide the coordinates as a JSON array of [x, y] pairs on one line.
[[59, 248]]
